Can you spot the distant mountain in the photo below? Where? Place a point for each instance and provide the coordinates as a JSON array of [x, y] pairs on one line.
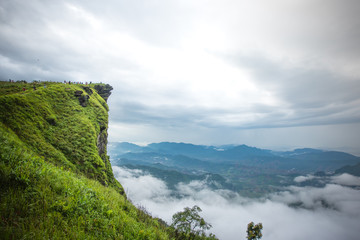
[[320, 160], [299, 152], [191, 150], [353, 170], [244, 152], [200, 157], [172, 177], [249, 170], [210, 153], [125, 147], [179, 162]]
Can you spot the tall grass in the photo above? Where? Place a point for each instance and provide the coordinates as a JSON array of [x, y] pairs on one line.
[[54, 125], [53, 182], [42, 201]]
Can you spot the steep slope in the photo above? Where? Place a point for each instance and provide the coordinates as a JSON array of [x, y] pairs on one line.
[[56, 180], [41, 201], [65, 124]]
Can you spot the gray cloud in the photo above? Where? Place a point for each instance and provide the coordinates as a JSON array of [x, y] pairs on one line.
[[328, 213], [186, 66], [309, 96], [160, 23]]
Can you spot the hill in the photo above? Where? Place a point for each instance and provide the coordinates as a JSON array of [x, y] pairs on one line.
[[55, 176], [353, 170], [172, 178]]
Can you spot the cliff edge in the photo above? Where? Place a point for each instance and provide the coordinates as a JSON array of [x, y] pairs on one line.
[[64, 123], [56, 181]]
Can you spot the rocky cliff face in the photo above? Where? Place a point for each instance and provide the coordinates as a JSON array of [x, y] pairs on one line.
[[104, 90]]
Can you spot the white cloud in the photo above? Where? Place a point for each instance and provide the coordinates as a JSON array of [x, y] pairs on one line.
[[346, 180], [139, 186], [300, 179], [229, 213]]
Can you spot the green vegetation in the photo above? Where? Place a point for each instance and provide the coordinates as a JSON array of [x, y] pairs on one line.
[[53, 123], [42, 201], [190, 225], [56, 180], [254, 231]]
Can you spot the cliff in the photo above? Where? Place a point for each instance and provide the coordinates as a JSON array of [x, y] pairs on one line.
[[65, 124], [55, 176]]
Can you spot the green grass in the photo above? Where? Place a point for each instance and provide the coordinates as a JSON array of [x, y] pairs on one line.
[[54, 125], [42, 201], [56, 181]]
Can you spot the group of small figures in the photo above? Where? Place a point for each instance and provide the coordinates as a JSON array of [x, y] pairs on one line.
[[65, 82], [69, 82]]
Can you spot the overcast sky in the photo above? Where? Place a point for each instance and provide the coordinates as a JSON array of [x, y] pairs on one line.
[[275, 74]]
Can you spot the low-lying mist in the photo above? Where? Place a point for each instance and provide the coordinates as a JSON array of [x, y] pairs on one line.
[[330, 212]]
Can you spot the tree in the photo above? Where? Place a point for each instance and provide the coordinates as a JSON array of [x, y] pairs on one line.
[[254, 232], [189, 221]]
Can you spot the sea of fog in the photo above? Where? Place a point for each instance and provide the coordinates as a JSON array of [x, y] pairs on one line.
[[330, 212]]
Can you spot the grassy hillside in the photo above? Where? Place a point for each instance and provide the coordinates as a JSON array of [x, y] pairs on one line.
[[52, 123], [56, 180], [42, 201]]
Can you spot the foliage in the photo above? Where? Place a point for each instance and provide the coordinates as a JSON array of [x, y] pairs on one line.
[[254, 231], [190, 224], [56, 180], [39, 200], [51, 121], [54, 184]]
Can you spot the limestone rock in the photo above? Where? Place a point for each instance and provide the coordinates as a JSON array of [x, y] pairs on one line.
[[78, 93], [104, 90]]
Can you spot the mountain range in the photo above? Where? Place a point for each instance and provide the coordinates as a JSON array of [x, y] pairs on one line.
[[243, 167], [197, 156]]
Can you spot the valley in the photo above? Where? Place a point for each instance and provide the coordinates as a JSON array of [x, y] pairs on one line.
[[250, 171]]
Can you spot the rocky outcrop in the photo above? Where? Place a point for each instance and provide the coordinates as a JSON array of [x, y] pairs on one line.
[[104, 90], [83, 99], [102, 141], [88, 90]]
